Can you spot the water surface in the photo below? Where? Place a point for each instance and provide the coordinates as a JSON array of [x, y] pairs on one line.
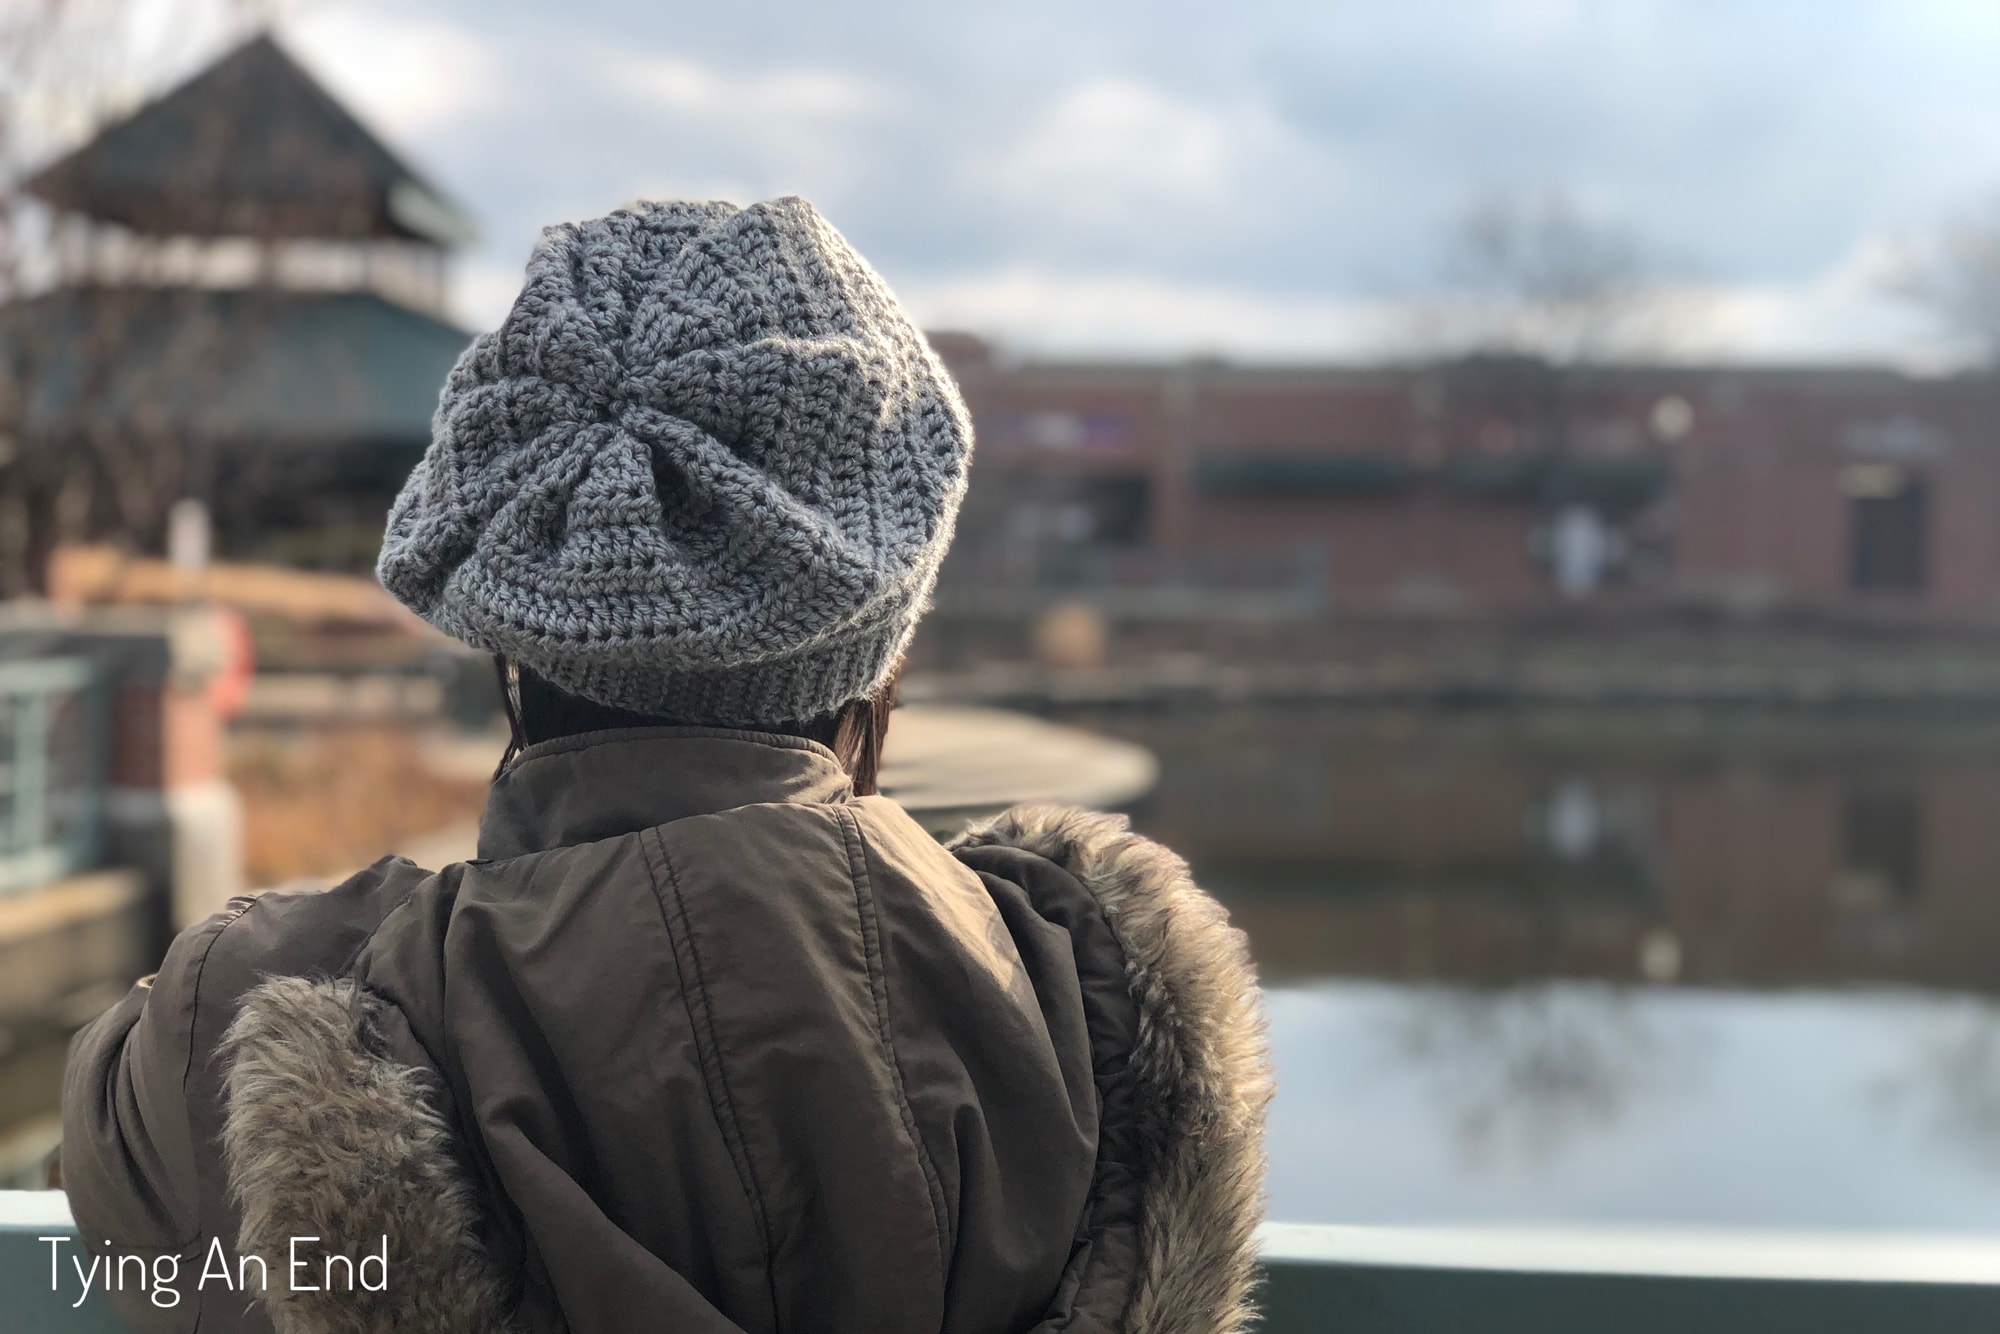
[[1578, 1102], [1657, 966]]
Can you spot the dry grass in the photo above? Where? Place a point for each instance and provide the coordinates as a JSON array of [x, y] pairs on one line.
[[105, 574], [327, 801]]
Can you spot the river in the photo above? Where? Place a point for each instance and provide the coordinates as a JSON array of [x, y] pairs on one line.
[[1633, 966]]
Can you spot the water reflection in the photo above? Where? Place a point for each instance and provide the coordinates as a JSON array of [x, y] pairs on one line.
[[1634, 965], [1524, 1074], [1948, 1089], [1581, 1102], [1714, 849]]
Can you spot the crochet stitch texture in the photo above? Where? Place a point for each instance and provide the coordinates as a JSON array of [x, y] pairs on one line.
[[706, 468]]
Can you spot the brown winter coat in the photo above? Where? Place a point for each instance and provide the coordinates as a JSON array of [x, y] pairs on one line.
[[702, 1043]]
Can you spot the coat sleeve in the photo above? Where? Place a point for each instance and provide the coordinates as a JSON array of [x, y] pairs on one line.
[[142, 1096], [128, 1138]]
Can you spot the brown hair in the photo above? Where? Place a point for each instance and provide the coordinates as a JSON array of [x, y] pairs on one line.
[[538, 711]]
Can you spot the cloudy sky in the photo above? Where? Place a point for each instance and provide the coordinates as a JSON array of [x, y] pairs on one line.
[[1273, 178]]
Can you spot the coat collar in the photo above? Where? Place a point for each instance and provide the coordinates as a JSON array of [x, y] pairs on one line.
[[599, 785]]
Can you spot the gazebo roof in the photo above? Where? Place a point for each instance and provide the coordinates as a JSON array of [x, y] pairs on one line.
[[251, 146]]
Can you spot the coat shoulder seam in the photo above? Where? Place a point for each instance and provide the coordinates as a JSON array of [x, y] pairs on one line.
[[701, 1020], [878, 985]]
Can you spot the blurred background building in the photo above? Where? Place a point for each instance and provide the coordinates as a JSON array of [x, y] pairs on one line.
[[249, 313], [1488, 488]]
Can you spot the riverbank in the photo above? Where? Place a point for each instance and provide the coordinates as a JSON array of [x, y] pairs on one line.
[[1457, 665]]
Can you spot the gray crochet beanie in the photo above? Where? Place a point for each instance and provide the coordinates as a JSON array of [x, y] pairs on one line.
[[706, 469]]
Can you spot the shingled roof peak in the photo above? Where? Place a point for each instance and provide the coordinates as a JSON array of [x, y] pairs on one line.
[[252, 146]]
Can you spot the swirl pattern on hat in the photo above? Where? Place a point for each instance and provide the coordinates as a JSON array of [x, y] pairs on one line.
[[706, 468]]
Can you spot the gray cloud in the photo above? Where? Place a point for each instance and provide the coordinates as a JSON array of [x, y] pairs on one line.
[[1283, 151]]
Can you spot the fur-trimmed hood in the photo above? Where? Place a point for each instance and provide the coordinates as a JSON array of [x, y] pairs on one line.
[[1201, 1063], [790, 1065]]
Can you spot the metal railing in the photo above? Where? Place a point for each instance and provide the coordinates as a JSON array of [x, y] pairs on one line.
[[52, 769], [1381, 1280], [1524, 1280]]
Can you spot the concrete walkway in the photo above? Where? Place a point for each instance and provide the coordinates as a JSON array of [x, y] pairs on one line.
[[946, 764]]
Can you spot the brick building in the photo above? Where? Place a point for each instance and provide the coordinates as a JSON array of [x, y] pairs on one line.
[[1485, 487]]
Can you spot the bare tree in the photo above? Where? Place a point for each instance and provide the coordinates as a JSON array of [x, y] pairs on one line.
[[1532, 274], [89, 374], [1543, 297], [59, 68], [1956, 276]]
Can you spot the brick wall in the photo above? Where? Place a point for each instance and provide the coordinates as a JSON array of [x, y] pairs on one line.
[[164, 736], [1752, 506]]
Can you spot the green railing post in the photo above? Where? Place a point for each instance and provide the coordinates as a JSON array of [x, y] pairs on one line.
[[53, 822], [31, 770]]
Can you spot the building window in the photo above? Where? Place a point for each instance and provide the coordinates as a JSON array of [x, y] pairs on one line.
[[1887, 510], [1120, 510], [1057, 432], [1881, 836]]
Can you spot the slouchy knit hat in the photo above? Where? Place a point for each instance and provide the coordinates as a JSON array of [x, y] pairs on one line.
[[705, 469]]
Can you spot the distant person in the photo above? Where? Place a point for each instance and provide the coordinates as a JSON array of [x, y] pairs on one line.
[[711, 1037]]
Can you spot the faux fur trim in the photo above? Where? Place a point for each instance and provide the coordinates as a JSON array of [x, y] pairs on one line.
[[325, 1136], [1201, 1063]]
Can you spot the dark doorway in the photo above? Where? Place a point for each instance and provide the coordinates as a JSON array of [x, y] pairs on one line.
[[1120, 509], [1890, 537], [1881, 838]]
